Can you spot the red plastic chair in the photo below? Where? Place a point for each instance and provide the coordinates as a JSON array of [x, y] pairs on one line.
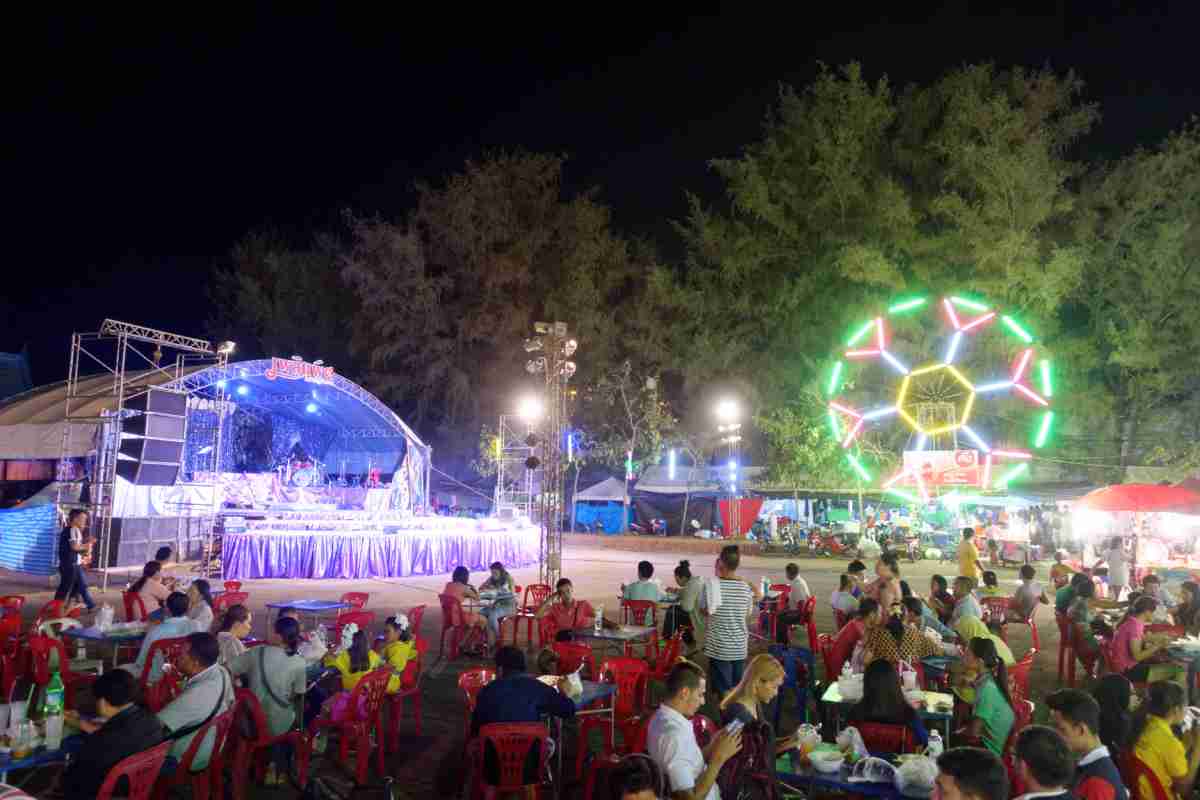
[[367, 695], [470, 682], [414, 620], [452, 624], [880, 737], [140, 769], [1091, 661], [55, 609], [223, 602], [232, 586], [637, 612], [995, 609], [1018, 677], [631, 676], [535, 595], [573, 654], [357, 600], [1174, 631], [208, 781], [1033, 631], [39, 654], [512, 743], [769, 619], [13, 601], [704, 728], [410, 689], [256, 752], [135, 608], [667, 657], [840, 619], [363, 619], [809, 621], [156, 696], [1134, 770], [170, 649]]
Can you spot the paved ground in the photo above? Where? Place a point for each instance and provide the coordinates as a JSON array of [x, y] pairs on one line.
[[431, 765]]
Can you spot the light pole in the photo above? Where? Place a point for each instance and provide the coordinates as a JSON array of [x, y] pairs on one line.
[[729, 428]]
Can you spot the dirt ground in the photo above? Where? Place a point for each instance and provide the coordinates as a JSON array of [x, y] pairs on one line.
[[432, 765]]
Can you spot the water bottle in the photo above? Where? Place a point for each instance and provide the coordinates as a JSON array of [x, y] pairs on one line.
[[599, 619], [934, 748]]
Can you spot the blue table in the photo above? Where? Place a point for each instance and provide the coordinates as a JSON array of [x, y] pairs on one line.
[[788, 770], [592, 692], [314, 608], [113, 640], [41, 757]]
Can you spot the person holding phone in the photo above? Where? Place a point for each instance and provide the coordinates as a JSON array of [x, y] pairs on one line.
[[671, 740], [567, 612]]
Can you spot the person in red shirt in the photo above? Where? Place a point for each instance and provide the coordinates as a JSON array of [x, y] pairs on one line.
[[853, 632], [567, 612]]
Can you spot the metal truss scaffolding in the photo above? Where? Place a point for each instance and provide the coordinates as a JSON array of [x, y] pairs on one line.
[[97, 415], [515, 482]]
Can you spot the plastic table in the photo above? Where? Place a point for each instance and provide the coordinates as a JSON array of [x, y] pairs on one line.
[[592, 692], [314, 608], [40, 757], [112, 640], [834, 698]]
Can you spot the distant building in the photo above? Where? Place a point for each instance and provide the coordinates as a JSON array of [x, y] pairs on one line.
[[14, 374]]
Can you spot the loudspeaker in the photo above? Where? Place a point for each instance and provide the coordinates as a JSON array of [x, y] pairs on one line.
[[155, 426], [159, 401], [143, 473], [160, 450], [134, 540]]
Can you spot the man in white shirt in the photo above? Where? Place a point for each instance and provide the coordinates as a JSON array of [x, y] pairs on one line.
[[176, 624], [671, 740], [797, 597], [207, 693]]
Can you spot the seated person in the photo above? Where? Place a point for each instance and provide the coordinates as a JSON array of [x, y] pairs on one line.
[[671, 739], [163, 556], [1132, 647], [636, 777], [992, 714], [567, 613], [1187, 613], [399, 647], [940, 599], [353, 660], [1027, 597], [965, 604], [200, 602], [207, 693], [1045, 764], [921, 617], [797, 597], [970, 773], [1172, 760], [853, 632], [176, 625], [275, 674], [516, 696], [883, 701], [459, 587], [991, 585], [748, 701], [857, 571], [124, 730], [150, 588], [500, 583], [843, 599], [1152, 587], [894, 641], [1076, 716], [645, 587], [235, 626]]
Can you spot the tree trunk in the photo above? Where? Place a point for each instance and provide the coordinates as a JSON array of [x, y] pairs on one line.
[[687, 496]]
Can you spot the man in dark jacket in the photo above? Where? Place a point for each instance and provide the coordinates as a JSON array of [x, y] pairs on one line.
[[125, 729]]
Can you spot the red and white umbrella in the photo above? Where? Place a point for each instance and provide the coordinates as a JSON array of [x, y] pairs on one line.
[[1142, 497]]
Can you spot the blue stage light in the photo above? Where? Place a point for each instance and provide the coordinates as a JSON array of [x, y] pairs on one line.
[[243, 390], [311, 408], [221, 383]]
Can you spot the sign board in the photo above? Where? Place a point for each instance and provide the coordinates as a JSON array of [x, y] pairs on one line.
[[943, 467], [298, 370]]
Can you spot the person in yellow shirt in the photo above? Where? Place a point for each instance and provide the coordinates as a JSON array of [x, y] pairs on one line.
[[399, 647], [969, 565], [1172, 760], [353, 660], [1060, 572]]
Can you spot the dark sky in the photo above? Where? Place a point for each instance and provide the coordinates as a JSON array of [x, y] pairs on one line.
[[139, 148]]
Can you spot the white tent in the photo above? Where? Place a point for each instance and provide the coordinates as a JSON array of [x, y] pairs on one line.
[[609, 489], [658, 479]]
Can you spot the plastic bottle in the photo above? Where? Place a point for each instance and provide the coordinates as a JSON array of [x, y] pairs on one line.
[[599, 618], [54, 702], [934, 747]]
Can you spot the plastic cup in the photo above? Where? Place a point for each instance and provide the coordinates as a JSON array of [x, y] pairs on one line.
[[16, 712], [54, 732]]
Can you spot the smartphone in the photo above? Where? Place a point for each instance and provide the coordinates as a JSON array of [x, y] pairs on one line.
[[734, 726]]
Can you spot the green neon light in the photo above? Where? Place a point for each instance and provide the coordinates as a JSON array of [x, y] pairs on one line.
[[971, 304], [833, 425], [835, 381], [1044, 431], [907, 305], [1012, 473], [1021, 333], [859, 468], [870, 326], [1047, 386], [905, 496]]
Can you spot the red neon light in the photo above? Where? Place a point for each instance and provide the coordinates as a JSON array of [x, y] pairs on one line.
[[1021, 365], [1032, 395], [845, 410], [853, 432], [861, 353], [879, 332], [977, 322], [1011, 454], [950, 311]]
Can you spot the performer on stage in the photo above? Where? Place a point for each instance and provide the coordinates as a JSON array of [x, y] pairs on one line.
[[73, 545]]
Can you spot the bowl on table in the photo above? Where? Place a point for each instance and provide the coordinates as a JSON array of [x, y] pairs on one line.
[[827, 760]]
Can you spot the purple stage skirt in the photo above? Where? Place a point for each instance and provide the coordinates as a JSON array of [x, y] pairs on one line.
[[334, 555]]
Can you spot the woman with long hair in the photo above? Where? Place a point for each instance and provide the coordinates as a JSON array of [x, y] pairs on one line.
[[1173, 761], [150, 587], [748, 700], [399, 647], [992, 714], [235, 626], [353, 660], [459, 587], [200, 602], [500, 583], [1187, 613], [883, 701], [1114, 694]]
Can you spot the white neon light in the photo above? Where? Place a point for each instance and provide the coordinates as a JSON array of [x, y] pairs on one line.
[[993, 387], [891, 359], [955, 341], [879, 412], [980, 443], [922, 440]]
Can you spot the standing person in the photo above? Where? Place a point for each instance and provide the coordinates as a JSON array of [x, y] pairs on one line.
[[1044, 764], [1076, 716], [200, 605], [970, 773], [1060, 571], [797, 597], [73, 543], [1118, 567], [727, 600], [500, 582], [886, 586], [748, 700], [969, 565], [671, 739], [1172, 760]]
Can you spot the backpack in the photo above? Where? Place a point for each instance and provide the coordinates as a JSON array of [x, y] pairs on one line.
[[749, 775]]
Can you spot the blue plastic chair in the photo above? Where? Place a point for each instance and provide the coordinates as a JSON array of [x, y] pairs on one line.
[[794, 678]]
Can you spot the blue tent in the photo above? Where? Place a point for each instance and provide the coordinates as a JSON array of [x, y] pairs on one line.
[[603, 503]]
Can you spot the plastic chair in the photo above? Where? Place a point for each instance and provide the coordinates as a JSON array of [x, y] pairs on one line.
[[512, 743], [223, 602], [141, 771], [808, 620], [1134, 771], [40, 648], [56, 609], [256, 752], [357, 600], [880, 737], [356, 731], [572, 655], [81, 663], [470, 682], [170, 649], [135, 608], [1018, 677], [631, 676], [414, 620], [1033, 631], [667, 657], [547, 630], [13, 601], [637, 612], [825, 644], [208, 781], [363, 619], [535, 596], [452, 624], [995, 609], [840, 618], [410, 689], [232, 586], [798, 670]]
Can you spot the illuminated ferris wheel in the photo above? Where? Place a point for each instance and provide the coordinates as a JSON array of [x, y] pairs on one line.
[[956, 385]]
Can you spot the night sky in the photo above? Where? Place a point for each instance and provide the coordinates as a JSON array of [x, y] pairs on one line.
[[138, 149]]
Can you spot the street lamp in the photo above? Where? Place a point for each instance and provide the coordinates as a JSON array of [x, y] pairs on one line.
[[728, 414], [529, 408]]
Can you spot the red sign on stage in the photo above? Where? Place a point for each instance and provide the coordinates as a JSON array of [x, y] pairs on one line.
[[295, 370], [943, 467]]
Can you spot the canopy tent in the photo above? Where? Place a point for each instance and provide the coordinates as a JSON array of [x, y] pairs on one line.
[[603, 504], [658, 479], [609, 489], [996, 501]]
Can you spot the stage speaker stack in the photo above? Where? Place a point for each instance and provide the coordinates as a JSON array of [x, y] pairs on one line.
[[152, 440]]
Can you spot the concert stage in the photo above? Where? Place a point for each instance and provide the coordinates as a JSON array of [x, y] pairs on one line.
[[351, 545]]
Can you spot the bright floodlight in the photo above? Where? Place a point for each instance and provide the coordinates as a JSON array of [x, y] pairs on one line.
[[225, 348], [727, 411], [529, 408]]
